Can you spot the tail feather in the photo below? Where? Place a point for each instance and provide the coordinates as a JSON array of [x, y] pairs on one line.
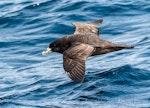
[[123, 46], [101, 50]]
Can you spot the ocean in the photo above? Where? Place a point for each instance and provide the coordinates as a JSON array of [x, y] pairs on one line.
[[116, 80]]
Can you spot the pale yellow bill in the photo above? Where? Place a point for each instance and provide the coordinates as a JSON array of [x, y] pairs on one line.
[[47, 51]]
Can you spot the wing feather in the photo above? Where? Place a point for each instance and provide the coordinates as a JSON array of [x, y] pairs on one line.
[[89, 27], [74, 60]]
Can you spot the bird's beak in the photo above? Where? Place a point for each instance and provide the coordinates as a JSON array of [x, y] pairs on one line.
[[47, 51]]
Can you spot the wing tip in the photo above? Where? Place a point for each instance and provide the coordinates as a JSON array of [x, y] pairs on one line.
[[96, 22], [74, 78]]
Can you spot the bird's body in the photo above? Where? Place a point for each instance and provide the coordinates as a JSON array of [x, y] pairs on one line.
[[76, 48], [101, 46]]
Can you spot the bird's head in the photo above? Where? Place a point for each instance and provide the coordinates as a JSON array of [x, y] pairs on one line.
[[53, 47]]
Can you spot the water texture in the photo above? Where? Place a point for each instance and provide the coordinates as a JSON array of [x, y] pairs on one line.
[[116, 80]]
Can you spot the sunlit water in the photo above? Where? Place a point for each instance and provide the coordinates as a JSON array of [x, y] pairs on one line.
[[116, 80]]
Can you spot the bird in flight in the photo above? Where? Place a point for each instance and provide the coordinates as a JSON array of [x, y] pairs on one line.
[[77, 47]]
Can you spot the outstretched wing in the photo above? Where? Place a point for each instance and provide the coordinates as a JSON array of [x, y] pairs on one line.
[[74, 60], [89, 27]]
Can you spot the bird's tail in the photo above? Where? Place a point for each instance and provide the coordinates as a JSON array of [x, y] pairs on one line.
[[101, 50], [123, 46]]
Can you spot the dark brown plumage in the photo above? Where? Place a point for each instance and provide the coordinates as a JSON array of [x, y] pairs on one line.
[[76, 48]]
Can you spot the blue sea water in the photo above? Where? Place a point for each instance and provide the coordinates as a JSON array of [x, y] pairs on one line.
[[115, 80]]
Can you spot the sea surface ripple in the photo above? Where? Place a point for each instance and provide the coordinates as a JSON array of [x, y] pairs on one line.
[[116, 80]]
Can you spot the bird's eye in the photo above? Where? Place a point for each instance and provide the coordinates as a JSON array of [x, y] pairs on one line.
[[54, 45]]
